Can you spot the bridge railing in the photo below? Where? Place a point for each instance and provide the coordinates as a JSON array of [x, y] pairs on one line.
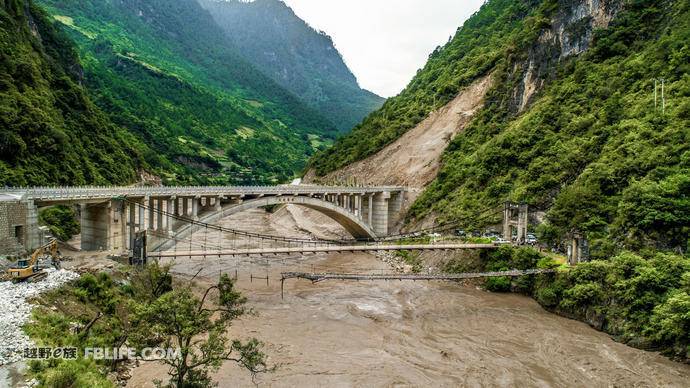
[[79, 192]]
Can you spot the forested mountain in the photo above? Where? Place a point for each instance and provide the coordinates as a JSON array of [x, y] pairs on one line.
[[165, 71], [570, 124], [269, 34], [50, 131]]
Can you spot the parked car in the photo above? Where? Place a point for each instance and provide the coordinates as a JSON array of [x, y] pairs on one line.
[[531, 239]]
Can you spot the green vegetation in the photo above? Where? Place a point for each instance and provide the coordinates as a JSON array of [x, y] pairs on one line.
[[165, 71], [268, 34], [410, 258], [61, 221], [642, 300], [139, 309], [592, 149], [50, 131]]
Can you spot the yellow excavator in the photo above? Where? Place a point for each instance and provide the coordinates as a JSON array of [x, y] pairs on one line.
[[29, 270]]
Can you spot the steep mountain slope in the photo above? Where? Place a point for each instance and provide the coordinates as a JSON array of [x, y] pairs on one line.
[[50, 131], [269, 34], [569, 125], [474, 51], [166, 71]]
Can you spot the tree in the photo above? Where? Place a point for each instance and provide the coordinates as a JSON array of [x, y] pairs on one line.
[[61, 221], [197, 329]]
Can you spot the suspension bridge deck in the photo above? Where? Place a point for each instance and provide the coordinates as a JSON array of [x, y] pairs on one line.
[[319, 249], [318, 277]]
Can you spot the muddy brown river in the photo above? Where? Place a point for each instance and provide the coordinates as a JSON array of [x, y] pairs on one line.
[[390, 334]]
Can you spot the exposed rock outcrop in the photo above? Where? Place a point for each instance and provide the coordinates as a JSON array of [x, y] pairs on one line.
[[570, 33]]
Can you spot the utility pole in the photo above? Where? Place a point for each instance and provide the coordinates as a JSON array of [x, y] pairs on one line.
[[663, 97]]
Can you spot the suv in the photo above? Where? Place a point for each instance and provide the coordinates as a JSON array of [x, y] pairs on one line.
[[531, 239]]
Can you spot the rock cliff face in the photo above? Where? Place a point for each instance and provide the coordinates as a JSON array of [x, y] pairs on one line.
[[569, 34]]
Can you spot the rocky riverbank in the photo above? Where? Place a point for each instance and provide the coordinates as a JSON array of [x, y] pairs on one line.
[[15, 311]]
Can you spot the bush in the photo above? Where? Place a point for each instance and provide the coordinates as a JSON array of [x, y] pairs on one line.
[[73, 374], [61, 221], [639, 299], [498, 284]]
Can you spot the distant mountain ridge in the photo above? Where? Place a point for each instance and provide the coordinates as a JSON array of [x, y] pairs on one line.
[[271, 36], [165, 71]]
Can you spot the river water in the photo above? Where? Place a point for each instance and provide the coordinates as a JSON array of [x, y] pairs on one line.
[[390, 334]]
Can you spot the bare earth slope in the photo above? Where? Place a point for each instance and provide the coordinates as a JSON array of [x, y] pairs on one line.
[[413, 160]]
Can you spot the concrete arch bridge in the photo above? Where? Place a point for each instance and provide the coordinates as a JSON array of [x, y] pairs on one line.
[[112, 216]]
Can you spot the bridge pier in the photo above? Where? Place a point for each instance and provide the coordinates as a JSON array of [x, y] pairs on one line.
[[195, 208], [367, 209], [520, 224], [103, 226], [185, 207], [131, 223], [380, 213], [33, 235], [152, 212]]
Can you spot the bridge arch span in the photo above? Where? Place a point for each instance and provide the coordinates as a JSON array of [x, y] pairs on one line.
[[349, 221]]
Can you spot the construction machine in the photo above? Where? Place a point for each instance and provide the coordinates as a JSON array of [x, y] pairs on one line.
[[29, 269]]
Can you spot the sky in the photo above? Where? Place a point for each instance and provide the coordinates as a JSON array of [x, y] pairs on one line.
[[384, 42]]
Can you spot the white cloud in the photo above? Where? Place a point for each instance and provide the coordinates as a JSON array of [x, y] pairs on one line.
[[384, 42]]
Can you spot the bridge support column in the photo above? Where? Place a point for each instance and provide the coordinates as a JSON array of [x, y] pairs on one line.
[[507, 213], [141, 218], [152, 213], [195, 208], [522, 224], [33, 233], [118, 226], [159, 216], [185, 207], [358, 206], [169, 216], [98, 226], [132, 224], [380, 213], [368, 209], [394, 206]]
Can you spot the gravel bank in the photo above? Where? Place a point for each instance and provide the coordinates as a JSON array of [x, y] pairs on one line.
[[15, 311]]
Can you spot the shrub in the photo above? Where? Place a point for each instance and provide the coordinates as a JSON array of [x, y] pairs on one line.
[[61, 221]]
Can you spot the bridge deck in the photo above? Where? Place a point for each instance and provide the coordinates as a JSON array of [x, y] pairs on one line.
[[320, 249], [76, 193], [317, 277]]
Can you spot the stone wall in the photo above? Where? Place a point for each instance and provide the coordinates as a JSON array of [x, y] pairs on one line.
[[13, 228]]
